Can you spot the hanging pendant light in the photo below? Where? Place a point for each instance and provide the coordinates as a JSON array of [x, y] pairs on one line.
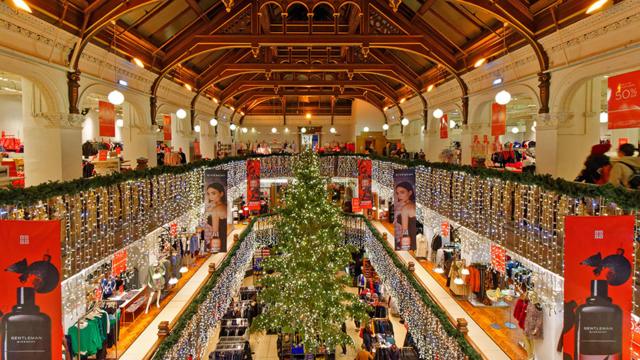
[[503, 97], [438, 270], [181, 114], [196, 128], [332, 130], [438, 113], [385, 126], [404, 122], [232, 127], [213, 122], [303, 130], [458, 281], [116, 97]]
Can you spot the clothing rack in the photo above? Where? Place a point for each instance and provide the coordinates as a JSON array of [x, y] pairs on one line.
[[92, 308]]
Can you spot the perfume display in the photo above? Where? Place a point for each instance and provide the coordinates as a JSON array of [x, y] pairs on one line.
[[598, 326]]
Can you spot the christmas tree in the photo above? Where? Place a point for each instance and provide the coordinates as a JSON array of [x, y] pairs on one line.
[[303, 292]]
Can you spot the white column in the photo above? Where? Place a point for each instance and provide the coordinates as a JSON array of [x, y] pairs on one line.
[[547, 144], [207, 140], [466, 140]]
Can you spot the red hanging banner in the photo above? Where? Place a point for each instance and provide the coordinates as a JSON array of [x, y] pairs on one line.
[[624, 101], [498, 258], [166, 127], [444, 127], [119, 262], [107, 118], [598, 286], [498, 119], [31, 300], [253, 184], [356, 205], [364, 184]]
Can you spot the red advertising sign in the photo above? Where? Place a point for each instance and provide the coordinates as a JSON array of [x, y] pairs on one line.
[[107, 118], [498, 258], [498, 119], [102, 155], [622, 141], [624, 101], [196, 147], [173, 229], [598, 287], [31, 300], [166, 127], [356, 205], [444, 127], [119, 262], [253, 184], [364, 184]]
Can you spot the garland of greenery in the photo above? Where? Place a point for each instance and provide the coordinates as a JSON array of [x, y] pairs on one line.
[[192, 309], [426, 298], [624, 198]]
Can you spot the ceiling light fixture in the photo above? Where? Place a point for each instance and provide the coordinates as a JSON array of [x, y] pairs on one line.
[[403, 100], [215, 100], [245, 130], [365, 129], [404, 121], [123, 82], [188, 87], [430, 88], [138, 62], [303, 130], [515, 130], [232, 127], [115, 97], [438, 113], [181, 113], [385, 126], [213, 122], [286, 130], [119, 123], [274, 130], [196, 128], [597, 5], [479, 63], [503, 97], [332, 130], [308, 115], [22, 5], [253, 130], [497, 81], [604, 117]]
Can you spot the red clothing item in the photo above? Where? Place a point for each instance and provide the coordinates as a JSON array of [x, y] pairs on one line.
[[520, 312]]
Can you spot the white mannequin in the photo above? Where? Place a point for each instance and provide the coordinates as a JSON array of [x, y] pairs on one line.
[[155, 282]]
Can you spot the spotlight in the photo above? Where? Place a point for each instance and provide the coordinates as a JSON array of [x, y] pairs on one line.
[[138, 62]]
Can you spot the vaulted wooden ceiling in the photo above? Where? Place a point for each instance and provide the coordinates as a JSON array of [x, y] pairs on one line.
[[266, 56]]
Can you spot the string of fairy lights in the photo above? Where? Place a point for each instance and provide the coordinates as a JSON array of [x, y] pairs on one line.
[[525, 219]]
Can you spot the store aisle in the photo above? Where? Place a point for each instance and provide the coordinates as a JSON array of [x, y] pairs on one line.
[[147, 339], [487, 346]]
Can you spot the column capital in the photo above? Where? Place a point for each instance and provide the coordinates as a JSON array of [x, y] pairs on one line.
[[59, 120], [554, 121]]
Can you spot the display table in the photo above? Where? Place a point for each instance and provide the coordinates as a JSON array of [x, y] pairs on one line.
[[106, 167]]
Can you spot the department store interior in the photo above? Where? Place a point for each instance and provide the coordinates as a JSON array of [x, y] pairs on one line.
[[320, 179]]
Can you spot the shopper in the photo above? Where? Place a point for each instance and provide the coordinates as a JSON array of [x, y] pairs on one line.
[[387, 149], [183, 156], [625, 169], [597, 166], [364, 354]]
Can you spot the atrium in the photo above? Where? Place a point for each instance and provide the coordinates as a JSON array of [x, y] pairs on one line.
[[320, 179]]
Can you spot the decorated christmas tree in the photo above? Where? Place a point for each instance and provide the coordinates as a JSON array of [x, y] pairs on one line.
[[305, 291]]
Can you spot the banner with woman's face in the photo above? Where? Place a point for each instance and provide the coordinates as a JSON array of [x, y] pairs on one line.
[[404, 208], [215, 210]]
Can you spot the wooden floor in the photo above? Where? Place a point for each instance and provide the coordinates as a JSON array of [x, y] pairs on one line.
[[129, 332], [507, 339]]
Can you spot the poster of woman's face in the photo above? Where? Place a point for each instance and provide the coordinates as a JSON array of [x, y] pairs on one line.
[[404, 221], [215, 210]]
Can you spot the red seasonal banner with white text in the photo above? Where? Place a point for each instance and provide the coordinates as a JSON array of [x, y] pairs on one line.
[[31, 300], [253, 184], [166, 127], [598, 287], [107, 119], [444, 127], [365, 193], [624, 101]]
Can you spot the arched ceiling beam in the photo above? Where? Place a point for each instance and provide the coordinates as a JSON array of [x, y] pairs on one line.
[[99, 14], [264, 95]]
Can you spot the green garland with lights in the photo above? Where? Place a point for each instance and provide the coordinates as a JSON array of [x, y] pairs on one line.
[[302, 291], [624, 198]]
